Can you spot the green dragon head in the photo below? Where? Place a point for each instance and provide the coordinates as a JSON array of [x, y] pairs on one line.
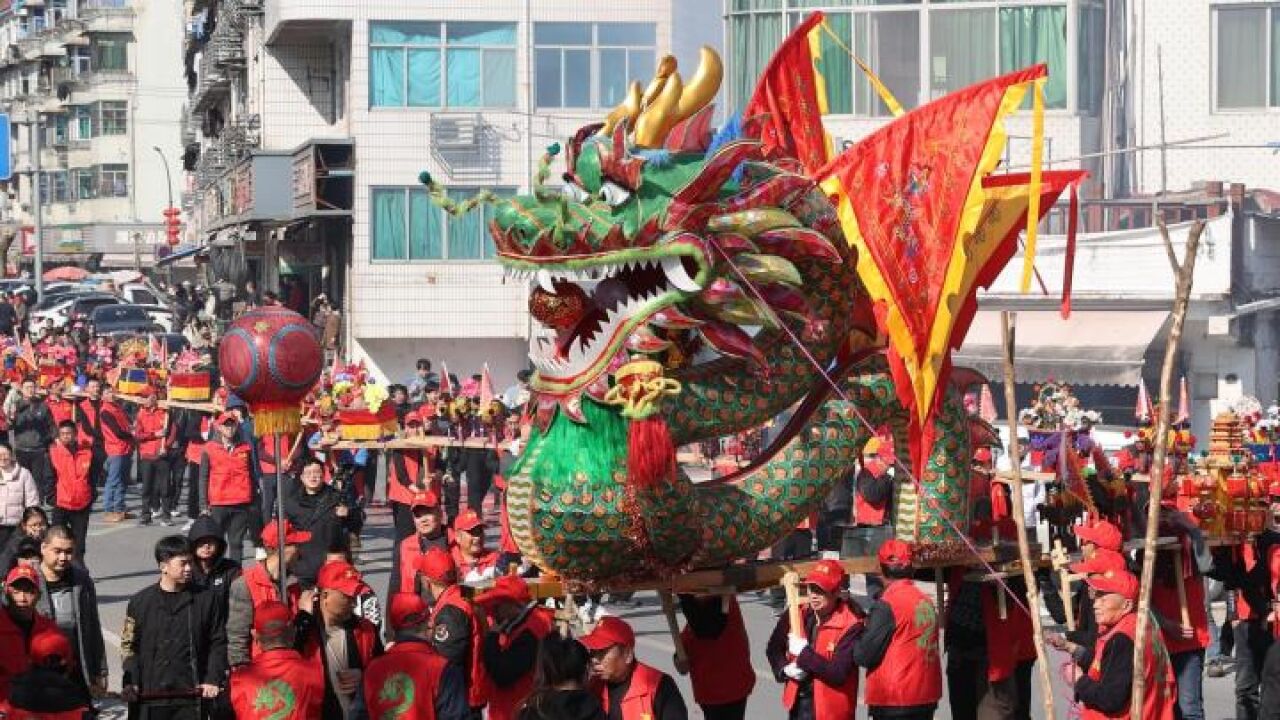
[[663, 241]]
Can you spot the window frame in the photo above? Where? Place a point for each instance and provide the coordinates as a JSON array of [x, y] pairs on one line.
[[78, 177], [594, 49], [1270, 87], [793, 12], [109, 171], [111, 39], [447, 219], [100, 115], [442, 48]]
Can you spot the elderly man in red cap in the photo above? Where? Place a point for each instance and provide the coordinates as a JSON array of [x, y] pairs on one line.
[[899, 647], [279, 683], [475, 561], [510, 651], [456, 630], [412, 681], [630, 689], [1077, 642], [1103, 690], [816, 661], [332, 638], [259, 583], [428, 532]]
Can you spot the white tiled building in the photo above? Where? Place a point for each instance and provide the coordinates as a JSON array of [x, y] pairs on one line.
[[79, 68], [470, 92]]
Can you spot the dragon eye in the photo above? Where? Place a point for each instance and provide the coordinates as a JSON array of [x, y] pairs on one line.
[[575, 193], [614, 194]]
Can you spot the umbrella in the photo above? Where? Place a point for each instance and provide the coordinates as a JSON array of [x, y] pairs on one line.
[[66, 272]]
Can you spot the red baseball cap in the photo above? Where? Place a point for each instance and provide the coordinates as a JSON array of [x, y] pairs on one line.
[[226, 417], [1103, 534], [469, 520], [895, 553], [341, 576], [271, 616], [22, 572], [608, 632], [507, 588], [1102, 561], [438, 565], [426, 499], [826, 574], [412, 418], [49, 644], [407, 610], [292, 535], [1120, 582]]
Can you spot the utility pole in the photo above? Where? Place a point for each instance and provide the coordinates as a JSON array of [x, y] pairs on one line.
[[37, 208]]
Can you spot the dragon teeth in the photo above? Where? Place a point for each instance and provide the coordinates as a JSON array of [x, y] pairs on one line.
[[679, 278]]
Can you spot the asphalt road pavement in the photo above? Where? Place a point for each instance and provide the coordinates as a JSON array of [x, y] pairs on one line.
[[120, 560]]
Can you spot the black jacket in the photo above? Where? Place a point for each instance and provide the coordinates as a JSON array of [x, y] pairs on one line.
[[32, 426], [220, 576], [93, 653], [173, 643], [316, 514], [40, 690], [562, 705]]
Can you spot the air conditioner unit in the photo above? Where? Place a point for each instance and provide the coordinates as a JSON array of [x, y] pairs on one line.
[[457, 132]]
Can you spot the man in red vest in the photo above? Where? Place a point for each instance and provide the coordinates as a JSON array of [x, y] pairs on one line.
[[630, 689], [428, 532], [718, 655], [411, 681], [457, 631], [260, 583], [278, 684], [226, 482], [150, 427], [816, 663], [873, 493], [71, 464], [1103, 690], [408, 473], [899, 647], [510, 653], [475, 561], [104, 424], [333, 639]]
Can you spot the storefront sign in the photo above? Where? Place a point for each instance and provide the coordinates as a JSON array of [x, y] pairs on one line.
[[304, 180]]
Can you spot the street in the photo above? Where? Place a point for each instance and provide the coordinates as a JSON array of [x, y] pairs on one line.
[[120, 561]]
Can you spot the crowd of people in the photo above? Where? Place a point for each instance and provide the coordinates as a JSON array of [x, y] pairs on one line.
[[252, 617]]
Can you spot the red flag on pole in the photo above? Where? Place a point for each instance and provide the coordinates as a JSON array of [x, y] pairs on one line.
[[486, 387], [790, 98], [1184, 402], [446, 386]]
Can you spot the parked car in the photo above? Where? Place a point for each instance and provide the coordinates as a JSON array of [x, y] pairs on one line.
[[59, 308], [82, 306], [160, 314], [117, 320]]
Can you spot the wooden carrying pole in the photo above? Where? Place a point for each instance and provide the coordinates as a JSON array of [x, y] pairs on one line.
[[1020, 518], [1183, 273], [673, 626], [791, 584]]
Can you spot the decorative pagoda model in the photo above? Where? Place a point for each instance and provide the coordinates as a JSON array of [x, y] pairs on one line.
[[1230, 498]]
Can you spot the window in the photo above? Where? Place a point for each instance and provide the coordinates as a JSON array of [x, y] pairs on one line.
[[85, 184], [110, 53], [81, 60], [581, 65], [58, 191], [920, 49], [113, 181], [408, 226], [1247, 56], [114, 116], [433, 64], [82, 122]]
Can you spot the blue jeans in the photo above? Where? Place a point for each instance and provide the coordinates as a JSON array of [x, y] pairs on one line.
[[1188, 668], [113, 491]]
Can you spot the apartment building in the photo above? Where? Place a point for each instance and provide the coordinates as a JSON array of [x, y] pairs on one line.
[[83, 75], [309, 123]]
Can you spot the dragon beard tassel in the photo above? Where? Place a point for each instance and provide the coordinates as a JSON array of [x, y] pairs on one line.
[[651, 454]]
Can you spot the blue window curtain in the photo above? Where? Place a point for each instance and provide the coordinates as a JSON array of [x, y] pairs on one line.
[[426, 227], [466, 232], [498, 79], [1036, 34], [463, 81], [386, 77], [836, 66], [387, 234], [424, 78], [547, 70]]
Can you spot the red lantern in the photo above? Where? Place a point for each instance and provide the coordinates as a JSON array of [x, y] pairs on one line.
[[271, 358]]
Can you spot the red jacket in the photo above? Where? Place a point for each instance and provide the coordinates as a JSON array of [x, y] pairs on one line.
[[73, 488], [149, 427], [404, 682], [267, 452], [720, 667], [1161, 693], [404, 470], [230, 473], [830, 703], [262, 588], [195, 448], [910, 673], [109, 422], [504, 702], [638, 702], [866, 512], [1164, 598], [477, 679], [61, 410], [14, 647], [277, 685]]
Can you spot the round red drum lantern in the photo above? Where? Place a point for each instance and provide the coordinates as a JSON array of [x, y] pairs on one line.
[[271, 357]]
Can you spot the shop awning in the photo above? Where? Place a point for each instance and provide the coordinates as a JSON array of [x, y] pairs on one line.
[[1092, 347], [180, 255]]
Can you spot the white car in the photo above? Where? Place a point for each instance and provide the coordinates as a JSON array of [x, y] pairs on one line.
[[161, 315], [59, 311]]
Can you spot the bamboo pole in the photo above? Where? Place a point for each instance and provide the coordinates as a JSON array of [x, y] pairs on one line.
[[1020, 518], [673, 626], [791, 584], [1183, 274]]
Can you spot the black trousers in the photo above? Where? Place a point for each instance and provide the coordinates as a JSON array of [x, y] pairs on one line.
[[728, 711], [78, 522], [34, 461], [478, 465], [235, 522], [191, 472], [1252, 643], [157, 489]]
